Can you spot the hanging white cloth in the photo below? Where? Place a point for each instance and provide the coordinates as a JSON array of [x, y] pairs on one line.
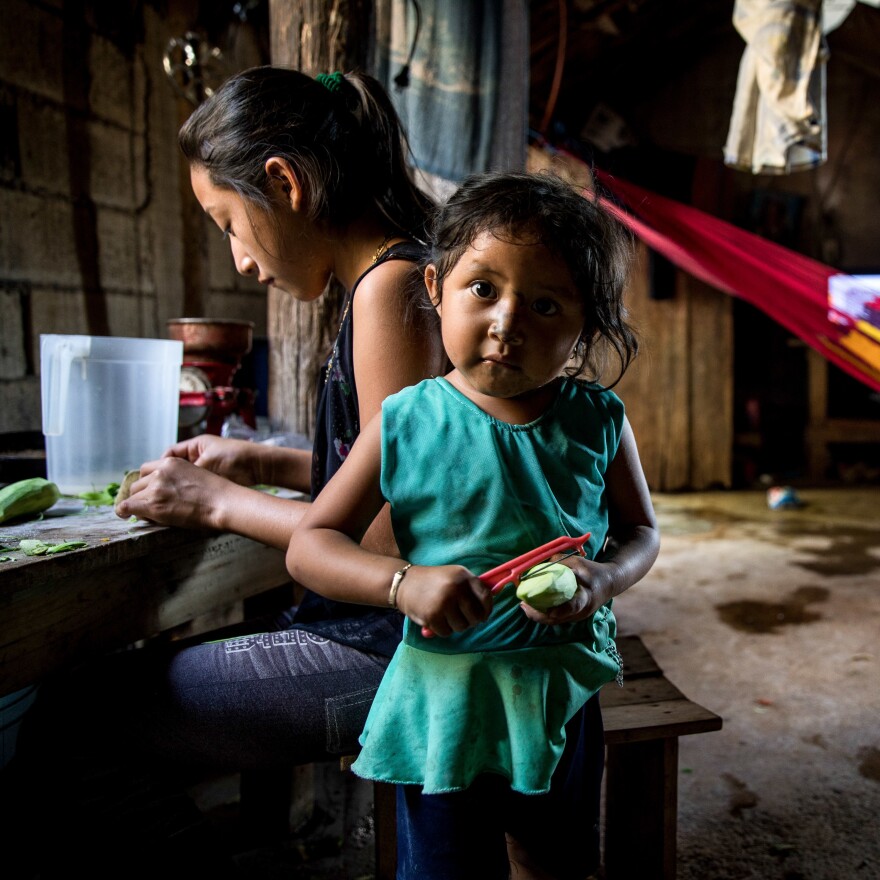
[[778, 123], [465, 107]]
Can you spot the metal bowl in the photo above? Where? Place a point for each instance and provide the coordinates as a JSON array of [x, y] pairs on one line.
[[212, 338]]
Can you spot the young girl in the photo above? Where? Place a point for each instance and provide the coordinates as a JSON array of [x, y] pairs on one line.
[[505, 453]]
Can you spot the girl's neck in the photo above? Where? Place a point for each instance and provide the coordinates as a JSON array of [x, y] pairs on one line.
[[358, 246], [519, 410]]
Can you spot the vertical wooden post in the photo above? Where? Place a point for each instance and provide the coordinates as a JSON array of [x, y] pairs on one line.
[[640, 832], [818, 458], [314, 36]]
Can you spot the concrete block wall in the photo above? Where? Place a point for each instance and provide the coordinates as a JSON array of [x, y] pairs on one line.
[[92, 195]]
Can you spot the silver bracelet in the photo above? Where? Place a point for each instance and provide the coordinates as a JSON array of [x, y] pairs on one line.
[[395, 584]]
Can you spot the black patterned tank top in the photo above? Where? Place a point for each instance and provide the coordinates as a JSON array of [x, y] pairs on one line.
[[337, 427]]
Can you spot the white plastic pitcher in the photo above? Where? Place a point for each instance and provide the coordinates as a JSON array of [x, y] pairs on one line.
[[110, 403]]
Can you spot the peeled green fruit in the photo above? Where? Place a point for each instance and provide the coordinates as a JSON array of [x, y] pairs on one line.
[[548, 587], [25, 497]]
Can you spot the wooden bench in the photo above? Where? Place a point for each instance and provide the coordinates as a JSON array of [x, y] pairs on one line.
[[643, 721]]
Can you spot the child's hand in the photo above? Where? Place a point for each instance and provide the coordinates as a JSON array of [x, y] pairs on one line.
[[594, 581], [444, 598]]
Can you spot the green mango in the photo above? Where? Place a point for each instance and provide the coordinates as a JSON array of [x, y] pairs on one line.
[[551, 585], [27, 497]]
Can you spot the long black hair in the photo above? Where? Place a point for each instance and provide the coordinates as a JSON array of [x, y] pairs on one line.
[[343, 138]]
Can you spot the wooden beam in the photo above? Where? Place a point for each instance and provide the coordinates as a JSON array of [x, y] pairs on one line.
[[313, 36]]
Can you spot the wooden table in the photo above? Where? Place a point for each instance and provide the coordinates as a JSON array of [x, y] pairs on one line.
[[643, 722], [133, 581]]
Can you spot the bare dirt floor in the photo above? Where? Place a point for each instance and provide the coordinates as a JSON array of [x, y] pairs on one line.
[[770, 618]]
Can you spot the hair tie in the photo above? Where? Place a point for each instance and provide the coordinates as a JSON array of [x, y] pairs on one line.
[[331, 81]]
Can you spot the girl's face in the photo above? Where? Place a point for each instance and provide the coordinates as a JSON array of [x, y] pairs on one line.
[[279, 250], [510, 318]]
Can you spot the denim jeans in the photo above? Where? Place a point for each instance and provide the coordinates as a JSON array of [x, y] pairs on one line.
[[461, 835], [112, 745]]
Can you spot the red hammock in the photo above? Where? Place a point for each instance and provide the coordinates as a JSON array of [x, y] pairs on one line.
[[787, 286]]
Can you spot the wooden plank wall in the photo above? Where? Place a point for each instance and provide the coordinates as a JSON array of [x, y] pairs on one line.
[[711, 386], [679, 391]]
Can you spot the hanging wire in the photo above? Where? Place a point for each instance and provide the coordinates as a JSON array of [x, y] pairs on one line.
[[402, 78], [560, 64]]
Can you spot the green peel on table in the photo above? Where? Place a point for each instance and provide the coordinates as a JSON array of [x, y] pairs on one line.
[[105, 497], [33, 547]]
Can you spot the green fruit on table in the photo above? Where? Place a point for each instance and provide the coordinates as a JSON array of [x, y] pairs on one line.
[[25, 497], [549, 586]]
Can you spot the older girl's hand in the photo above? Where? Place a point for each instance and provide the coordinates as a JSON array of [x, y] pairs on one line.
[[174, 492], [237, 460]]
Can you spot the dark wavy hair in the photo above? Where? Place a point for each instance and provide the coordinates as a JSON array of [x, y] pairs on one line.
[[346, 145], [541, 208]]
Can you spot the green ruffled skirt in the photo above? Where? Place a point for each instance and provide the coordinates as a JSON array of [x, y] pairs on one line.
[[440, 720]]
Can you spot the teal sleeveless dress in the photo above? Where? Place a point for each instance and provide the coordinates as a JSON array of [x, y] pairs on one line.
[[466, 488]]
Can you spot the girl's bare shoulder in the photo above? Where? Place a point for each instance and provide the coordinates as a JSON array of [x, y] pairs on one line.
[[393, 278]]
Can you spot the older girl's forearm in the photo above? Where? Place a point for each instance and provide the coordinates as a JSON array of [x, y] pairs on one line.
[[288, 468], [259, 515]]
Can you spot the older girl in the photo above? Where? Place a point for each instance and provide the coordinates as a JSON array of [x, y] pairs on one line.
[[308, 181]]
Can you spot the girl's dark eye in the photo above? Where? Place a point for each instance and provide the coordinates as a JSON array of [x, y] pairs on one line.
[[227, 232], [482, 289], [546, 307]]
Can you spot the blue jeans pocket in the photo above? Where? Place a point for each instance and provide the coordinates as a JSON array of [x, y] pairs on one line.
[[345, 715]]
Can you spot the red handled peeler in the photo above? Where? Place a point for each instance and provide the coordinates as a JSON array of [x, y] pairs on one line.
[[511, 571]]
